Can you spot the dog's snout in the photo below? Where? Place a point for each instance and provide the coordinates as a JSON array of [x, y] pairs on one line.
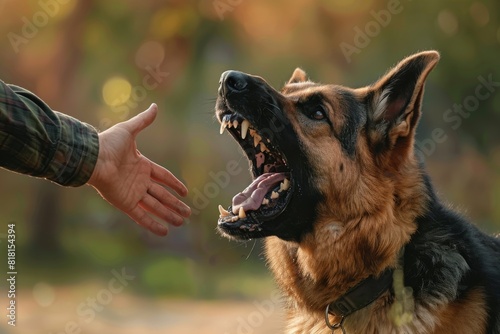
[[232, 81]]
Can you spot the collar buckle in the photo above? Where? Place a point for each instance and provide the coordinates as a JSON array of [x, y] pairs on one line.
[[338, 325]]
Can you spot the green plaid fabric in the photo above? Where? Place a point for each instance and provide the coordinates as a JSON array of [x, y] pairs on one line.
[[38, 141]]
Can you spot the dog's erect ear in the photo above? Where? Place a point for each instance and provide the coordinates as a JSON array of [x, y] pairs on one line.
[[395, 101], [298, 76]]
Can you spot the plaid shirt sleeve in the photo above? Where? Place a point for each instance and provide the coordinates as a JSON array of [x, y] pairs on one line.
[[40, 142]]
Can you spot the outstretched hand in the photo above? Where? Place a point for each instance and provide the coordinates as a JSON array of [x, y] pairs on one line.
[[134, 184]]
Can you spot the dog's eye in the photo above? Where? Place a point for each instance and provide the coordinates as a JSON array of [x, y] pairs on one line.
[[318, 114]]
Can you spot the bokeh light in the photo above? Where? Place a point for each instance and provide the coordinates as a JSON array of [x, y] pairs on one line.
[[480, 13], [448, 22], [116, 91], [149, 54], [44, 294]]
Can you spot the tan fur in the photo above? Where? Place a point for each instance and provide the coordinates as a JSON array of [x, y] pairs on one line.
[[466, 317]]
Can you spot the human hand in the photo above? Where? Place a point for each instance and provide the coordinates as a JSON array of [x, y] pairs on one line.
[[134, 184]]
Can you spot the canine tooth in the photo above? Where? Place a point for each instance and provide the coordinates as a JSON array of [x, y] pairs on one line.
[[244, 128], [223, 125], [265, 201], [229, 124], [256, 140], [242, 213], [274, 195], [286, 184], [235, 123], [263, 147], [223, 212]]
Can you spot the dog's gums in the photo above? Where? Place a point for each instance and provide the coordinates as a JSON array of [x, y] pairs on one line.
[[269, 193]]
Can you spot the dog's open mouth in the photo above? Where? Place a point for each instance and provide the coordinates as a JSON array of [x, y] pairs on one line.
[[270, 191]]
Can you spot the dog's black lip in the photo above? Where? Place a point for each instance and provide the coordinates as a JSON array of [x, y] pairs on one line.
[[252, 225]]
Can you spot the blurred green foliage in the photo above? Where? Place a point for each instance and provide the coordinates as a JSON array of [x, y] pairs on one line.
[[188, 44]]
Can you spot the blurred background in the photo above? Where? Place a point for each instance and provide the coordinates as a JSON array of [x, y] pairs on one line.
[[84, 267]]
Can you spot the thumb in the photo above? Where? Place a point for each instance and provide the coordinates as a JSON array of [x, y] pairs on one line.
[[139, 122]]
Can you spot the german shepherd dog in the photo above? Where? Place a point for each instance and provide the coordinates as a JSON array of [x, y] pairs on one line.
[[356, 236]]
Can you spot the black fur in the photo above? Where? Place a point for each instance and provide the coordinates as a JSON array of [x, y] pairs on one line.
[[355, 118], [447, 256]]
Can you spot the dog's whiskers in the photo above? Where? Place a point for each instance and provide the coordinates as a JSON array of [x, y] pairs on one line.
[[251, 250]]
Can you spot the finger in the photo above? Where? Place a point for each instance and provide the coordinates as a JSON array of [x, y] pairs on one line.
[[165, 177], [140, 216], [166, 198], [139, 122], [153, 206]]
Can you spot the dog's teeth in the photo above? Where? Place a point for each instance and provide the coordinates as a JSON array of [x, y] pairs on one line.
[[223, 212], [244, 128], [256, 140], [286, 184], [234, 219], [242, 213], [252, 132], [263, 147], [265, 201], [235, 124], [274, 195], [229, 124], [223, 125]]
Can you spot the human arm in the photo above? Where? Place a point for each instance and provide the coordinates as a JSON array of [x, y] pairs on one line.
[[40, 142]]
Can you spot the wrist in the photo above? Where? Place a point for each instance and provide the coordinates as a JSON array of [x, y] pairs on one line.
[[96, 173]]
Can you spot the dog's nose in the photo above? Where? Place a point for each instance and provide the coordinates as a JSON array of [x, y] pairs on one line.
[[232, 81]]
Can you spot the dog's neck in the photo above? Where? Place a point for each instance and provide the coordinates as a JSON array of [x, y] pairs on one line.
[[361, 295], [335, 256], [319, 271]]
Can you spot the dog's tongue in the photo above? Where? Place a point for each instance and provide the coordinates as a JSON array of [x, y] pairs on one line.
[[251, 198]]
